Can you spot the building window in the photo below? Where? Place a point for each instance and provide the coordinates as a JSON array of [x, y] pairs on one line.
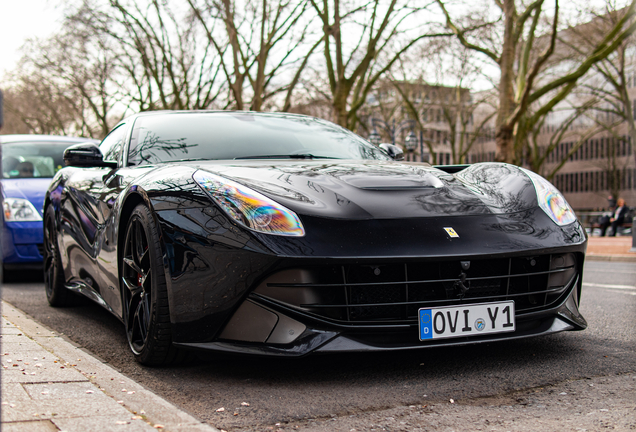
[[596, 150], [576, 182], [602, 147], [623, 179], [596, 181], [603, 180]]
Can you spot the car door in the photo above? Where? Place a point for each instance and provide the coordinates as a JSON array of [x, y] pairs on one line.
[[85, 206]]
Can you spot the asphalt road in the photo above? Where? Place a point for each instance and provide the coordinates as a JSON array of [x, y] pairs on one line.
[[293, 392]]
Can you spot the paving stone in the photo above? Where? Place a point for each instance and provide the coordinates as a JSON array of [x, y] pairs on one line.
[[9, 330], [32, 347], [32, 374], [13, 392], [31, 426], [16, 338], [63, 408]]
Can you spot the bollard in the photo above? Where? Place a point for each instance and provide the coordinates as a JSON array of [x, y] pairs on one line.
[[633, 249]]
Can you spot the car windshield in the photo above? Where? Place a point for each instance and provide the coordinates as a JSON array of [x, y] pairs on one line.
[[194, 136], [32, 159]]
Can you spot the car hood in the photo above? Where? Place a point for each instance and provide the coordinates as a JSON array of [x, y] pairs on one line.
[[383, 189], [32, 189]]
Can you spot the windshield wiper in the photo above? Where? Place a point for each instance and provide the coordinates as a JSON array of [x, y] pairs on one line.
[[287, 156], [190, 160]]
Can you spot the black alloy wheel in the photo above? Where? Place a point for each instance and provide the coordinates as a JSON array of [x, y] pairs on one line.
[[144, 294], [56, 292]]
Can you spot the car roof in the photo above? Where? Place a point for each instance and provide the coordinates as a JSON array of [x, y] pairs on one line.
[[282, 115], [8, 139], [221, 112]]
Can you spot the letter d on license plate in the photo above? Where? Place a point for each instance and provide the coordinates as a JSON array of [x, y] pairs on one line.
[[475, 319]]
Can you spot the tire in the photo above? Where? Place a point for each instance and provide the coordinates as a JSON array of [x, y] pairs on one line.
[[54, 284], [144, 292]]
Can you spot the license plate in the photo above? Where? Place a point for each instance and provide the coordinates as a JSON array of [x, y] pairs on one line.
[[469, 320]]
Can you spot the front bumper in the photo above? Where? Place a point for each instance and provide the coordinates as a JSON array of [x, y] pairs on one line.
[[22, 243], [322, 337], [216, 268]]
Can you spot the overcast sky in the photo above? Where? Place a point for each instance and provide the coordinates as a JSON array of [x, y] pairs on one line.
[[20, 20], [23, 19]]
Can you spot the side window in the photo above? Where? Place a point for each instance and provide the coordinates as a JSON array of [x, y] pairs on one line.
[[112, 145]]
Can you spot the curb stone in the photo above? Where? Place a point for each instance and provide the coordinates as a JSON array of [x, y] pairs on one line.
[[614, 258]]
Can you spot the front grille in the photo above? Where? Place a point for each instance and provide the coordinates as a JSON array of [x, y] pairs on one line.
[[373, 293]]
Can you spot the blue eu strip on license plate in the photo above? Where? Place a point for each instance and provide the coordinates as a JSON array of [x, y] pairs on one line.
[[468, 320]]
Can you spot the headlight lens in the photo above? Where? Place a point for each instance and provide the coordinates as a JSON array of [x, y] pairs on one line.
[[20, 210], [250, 208], [551, 200]]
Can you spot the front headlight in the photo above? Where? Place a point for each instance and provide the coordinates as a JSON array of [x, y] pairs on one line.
[[248, 207], [551, 200], [20, 210]]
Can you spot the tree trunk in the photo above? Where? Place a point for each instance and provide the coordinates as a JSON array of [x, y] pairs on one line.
[[341, 111], [504, 138]]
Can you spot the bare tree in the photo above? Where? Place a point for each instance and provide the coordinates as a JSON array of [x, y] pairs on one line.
[[263, 47], [160, 61], [523, 79], [80, 64], [614, 161], [33, 105], [449, 116], [67, 80], [616, 74], [606, 92], [377, 34], [573, 128]]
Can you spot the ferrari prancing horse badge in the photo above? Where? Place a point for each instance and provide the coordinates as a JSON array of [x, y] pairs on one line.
[[451, 232]]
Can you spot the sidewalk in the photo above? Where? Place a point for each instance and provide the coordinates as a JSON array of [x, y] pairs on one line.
[[610, 249], [50, 384]]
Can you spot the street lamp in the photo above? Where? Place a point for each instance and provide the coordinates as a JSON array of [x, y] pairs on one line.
[[393, 130], [411, 142], [374, 137]]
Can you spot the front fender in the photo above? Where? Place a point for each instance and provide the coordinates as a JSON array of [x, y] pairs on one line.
[[504, 188]]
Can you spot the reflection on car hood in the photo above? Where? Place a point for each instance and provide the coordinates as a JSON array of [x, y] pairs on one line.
[[383, 190], [32, 189]]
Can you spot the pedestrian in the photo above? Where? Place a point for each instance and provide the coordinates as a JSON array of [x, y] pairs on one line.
[[617, 218]]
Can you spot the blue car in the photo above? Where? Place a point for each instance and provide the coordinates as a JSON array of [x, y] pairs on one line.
[[28, 164]]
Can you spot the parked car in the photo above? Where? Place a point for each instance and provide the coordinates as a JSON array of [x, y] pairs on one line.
[[28, 164], [285, 235]]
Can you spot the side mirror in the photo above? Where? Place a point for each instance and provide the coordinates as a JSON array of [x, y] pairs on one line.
[[394, 151], [86, 155]]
